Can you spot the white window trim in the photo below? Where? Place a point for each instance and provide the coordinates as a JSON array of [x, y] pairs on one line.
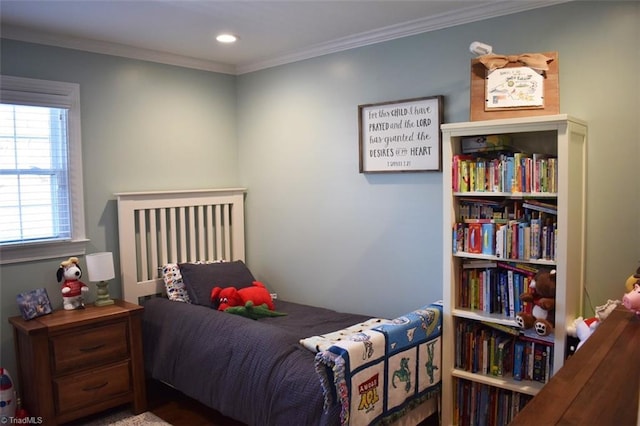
[[53, 94]]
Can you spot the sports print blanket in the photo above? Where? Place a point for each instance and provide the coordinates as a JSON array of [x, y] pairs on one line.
[[378, 374]]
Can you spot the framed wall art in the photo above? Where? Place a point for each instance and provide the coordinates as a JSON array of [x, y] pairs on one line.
[[401, 136]]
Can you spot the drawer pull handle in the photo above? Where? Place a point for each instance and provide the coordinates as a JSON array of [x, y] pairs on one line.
[[90, 388], [92, 348]]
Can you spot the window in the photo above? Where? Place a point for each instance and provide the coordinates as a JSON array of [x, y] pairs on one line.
[[41, 202]]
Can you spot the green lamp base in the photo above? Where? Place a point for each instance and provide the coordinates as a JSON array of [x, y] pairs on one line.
[[103, 298]]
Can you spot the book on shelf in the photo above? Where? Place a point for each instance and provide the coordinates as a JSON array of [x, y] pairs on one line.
[[539, 172], [482, 404], [460, 172], [475, 238], [480, 208], [488, 238], [542, 362], [539, 368], [504, 356], [479, 263], [536, 232], [521, 268], [528, 354], [458, 237], [512, 294], [485, 286], [540, 206], [530, 335], [503, 171], [495, 221], [483, 348], [518, 360], [515, 240]]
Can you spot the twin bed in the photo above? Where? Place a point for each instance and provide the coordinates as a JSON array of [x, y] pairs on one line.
[[308, 367]]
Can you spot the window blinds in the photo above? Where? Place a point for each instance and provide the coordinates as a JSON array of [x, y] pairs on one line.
[[34, 182]]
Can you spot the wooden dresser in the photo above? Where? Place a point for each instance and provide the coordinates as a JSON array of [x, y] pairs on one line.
[[599, 385], [75, 363]]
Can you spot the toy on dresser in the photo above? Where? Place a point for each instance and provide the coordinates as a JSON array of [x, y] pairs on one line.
[[72, 289], [631, 300], [583, 328]]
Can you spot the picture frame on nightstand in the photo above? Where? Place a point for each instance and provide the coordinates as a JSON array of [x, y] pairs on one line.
[[34, 303]]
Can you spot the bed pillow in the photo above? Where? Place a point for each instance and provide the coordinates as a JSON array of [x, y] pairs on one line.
[[173, 283], [200, 279]]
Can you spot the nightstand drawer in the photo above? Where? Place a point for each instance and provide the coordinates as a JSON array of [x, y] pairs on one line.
[[92, 387], [90, 346]]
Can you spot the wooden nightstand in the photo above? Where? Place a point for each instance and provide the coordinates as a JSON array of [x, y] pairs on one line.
[[75, 363]]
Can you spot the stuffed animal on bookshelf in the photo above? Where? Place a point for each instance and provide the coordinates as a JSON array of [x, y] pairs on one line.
[[73, 290], [223, 298], [542, 298]]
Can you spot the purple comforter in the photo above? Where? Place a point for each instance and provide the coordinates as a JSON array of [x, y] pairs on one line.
[[253, 371]]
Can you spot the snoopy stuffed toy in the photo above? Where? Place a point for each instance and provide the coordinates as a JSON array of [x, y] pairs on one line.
[[73, 289]]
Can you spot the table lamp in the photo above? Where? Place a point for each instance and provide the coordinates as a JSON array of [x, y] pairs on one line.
[[100, 269]]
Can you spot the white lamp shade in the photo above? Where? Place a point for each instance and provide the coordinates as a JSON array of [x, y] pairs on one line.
[[100, 266]]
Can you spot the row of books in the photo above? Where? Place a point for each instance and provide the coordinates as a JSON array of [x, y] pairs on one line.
[[472, 209], [482, 348], [483, 405], [505, 172], [494, 287], [522, 239]]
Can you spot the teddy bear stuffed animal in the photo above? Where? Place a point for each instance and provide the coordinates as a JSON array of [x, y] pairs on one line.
[[543, 298], [72, 289]]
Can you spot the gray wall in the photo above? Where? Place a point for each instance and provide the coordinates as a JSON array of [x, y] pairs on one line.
[[145, 126], [323, 233], [319, 232]]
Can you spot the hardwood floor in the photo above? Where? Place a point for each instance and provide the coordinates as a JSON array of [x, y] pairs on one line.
[[179, 410], [174, 407]]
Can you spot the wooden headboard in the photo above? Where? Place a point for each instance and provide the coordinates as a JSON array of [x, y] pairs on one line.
[[156, 228]]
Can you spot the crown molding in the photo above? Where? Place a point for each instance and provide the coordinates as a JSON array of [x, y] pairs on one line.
[[114, 49], [406, 29]]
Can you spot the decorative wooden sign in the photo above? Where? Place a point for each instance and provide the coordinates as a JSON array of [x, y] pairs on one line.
[[513, 88]]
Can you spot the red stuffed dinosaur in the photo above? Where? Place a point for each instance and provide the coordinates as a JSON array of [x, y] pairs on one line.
[[223, 298]]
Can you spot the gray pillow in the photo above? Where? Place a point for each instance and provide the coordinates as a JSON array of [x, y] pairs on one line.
[[201, 278]]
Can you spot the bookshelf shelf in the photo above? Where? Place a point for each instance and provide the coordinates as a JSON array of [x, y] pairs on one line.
[[555, 147], [467, 255], [477, 315], [529, 388], [511, 195]]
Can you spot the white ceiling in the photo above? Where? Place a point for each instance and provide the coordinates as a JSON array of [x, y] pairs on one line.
[[182, 32]]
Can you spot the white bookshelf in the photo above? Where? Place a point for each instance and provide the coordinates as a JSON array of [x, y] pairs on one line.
[[565, 138]]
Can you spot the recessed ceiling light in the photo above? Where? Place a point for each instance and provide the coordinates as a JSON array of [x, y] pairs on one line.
[[226, 38]]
